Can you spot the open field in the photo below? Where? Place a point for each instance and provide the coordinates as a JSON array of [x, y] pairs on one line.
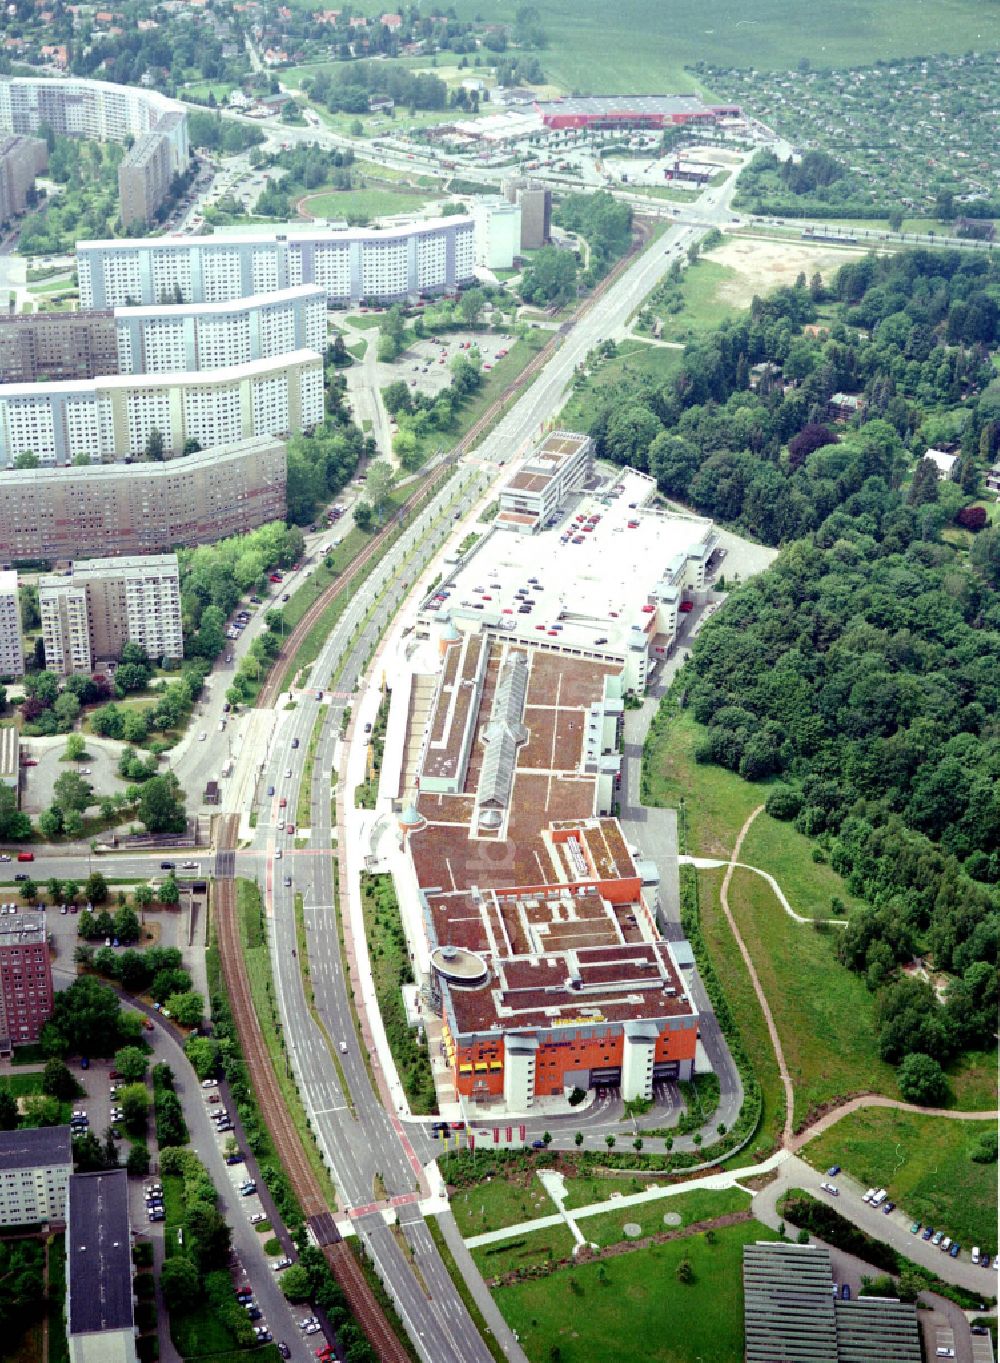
[[926, 1164], [823, 1012], [746, 1011], [599, 1310], [500, 1202], [810, 887], [634, 358], [642, 47], [760, 265], [360, 205]]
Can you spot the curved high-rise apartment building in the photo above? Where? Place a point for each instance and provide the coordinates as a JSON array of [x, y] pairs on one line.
[[351, 265]]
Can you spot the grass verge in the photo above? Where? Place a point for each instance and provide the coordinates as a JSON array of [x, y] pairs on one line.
[[304, 805], [253, 937], [390, 963]]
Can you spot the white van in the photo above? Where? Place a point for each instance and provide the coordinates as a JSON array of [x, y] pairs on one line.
[[975, 1254], [879, 1197]]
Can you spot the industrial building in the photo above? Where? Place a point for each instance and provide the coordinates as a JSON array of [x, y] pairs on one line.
[[100, 1314], [546, 961], [35, 1168], [535, 202], [631, 111], [57, 345], [498, 232], [111, 509], [596, 573], [76, 107], [351, 264], [11, 642], [792, 1312], [21, 159], [112, 417], [90, 613], [25, 978]]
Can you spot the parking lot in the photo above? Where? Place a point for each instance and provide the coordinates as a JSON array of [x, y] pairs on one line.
[[426, 365], [44, 766]]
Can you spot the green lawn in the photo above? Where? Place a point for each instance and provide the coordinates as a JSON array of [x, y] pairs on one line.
[[634, 358], [823, 1012], [604, 1310], [703, 1204], [361, 205], [500, 1202], [526, 1251], [973, 1081], [926, 1164], [742, 1000]]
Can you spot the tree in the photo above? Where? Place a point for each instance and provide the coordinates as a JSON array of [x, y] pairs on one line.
[[169, 892], [143, 895], [138, 1159], [471, 306], [8, 1111], [71, 792], [211, 1236], [181, 1283], [364, 517], [41, 1110], [85, 1020], [126, 924], [58, 1081], [88, 1153], [76, 747], [396, 397], [203, 1053], [684, 1272], [96, 888], [188, 1008], [161, 805], [379, 483], [133, 1100], [155, 445], [13, 824], [922, 1080], [924, 488], [29, 891], [578, 1138], [27, 459], [50, 823], [296, 1283], [131, 1063]]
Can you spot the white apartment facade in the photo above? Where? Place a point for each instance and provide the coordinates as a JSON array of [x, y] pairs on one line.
[[11, 643], [350, 265], [103, 604], [113, 416], [174, 338], [498, 232], [35, 1167], [77, 107]]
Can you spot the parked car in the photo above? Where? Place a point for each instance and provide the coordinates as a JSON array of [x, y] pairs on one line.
[[281, 1263]]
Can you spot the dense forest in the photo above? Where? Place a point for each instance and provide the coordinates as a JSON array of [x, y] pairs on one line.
[[858, 674]]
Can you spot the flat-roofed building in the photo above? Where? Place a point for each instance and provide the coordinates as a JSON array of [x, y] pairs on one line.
[[100, 1318], [792, 1312], [631, 111], [21, 159], [90, 614], [57, 345], [144, 179], [10, 757], [350, 264], [535, 202], [606, 577], [110, 509], [25, 978], [11, 643], [498, 232], [543, 950], [35, 1168], [563, 463], [114, 416]]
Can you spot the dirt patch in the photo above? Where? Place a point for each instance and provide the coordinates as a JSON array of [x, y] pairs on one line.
[[765, 265]]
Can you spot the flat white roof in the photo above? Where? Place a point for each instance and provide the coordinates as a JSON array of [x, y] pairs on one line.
[[182, 378], [254, 300], [8, 581], [589, 585], [291, 231]]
